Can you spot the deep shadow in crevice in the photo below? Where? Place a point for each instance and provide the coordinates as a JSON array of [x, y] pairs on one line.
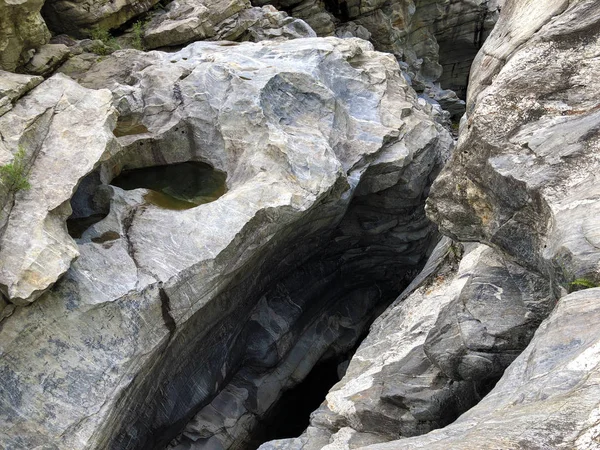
[[291, 415]]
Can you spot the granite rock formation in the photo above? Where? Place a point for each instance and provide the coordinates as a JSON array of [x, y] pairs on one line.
[[185, 21], [524, 177], [548, 398], [328, 158]]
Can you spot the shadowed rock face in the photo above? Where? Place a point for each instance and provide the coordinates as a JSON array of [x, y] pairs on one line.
[[434, 353], [78, 17], [22, 29], [328, 160], [548, 398]]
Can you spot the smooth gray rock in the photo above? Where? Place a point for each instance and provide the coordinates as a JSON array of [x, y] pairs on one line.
[[13, 86], [524, 177], [548, 398], [491, 322], [328, 158]]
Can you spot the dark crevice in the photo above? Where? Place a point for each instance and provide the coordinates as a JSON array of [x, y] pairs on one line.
[[291, 415], [165, 307]]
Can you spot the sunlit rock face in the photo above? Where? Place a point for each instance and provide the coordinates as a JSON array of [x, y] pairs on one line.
[[326, 159], [63, 130]]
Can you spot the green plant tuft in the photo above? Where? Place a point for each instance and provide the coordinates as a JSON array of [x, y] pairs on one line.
[[582, 283], [109, 42], [13, 176], [137, 39]]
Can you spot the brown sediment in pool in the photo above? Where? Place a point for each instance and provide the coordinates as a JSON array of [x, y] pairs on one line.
[[106, 237], [176, 186], [128, 127]]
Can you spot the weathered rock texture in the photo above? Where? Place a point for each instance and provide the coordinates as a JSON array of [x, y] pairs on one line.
[[13, 86], [548, 398], [185, 21], [525, 177], [22, 29], [64, 130], [328, 159], [78, 17], [437, 39], [433, 354]]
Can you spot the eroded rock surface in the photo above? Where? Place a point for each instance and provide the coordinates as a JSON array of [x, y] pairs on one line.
[[434, 353], [13, 86], [328, 158], [548, 398], [185, 21], [64, 130], [22, 29], [79, 17], [437, 39], [524, 177]]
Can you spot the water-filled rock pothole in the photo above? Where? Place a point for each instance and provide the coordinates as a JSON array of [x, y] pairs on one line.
[[176, 186]]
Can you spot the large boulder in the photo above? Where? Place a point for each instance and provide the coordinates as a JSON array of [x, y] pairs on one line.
[[327, 158], [185, 21], [484, 328], [548, 398], [62, 131], [525, 177], [22, 29]]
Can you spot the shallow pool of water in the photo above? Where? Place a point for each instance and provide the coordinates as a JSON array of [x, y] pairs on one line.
[[176, 186]]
